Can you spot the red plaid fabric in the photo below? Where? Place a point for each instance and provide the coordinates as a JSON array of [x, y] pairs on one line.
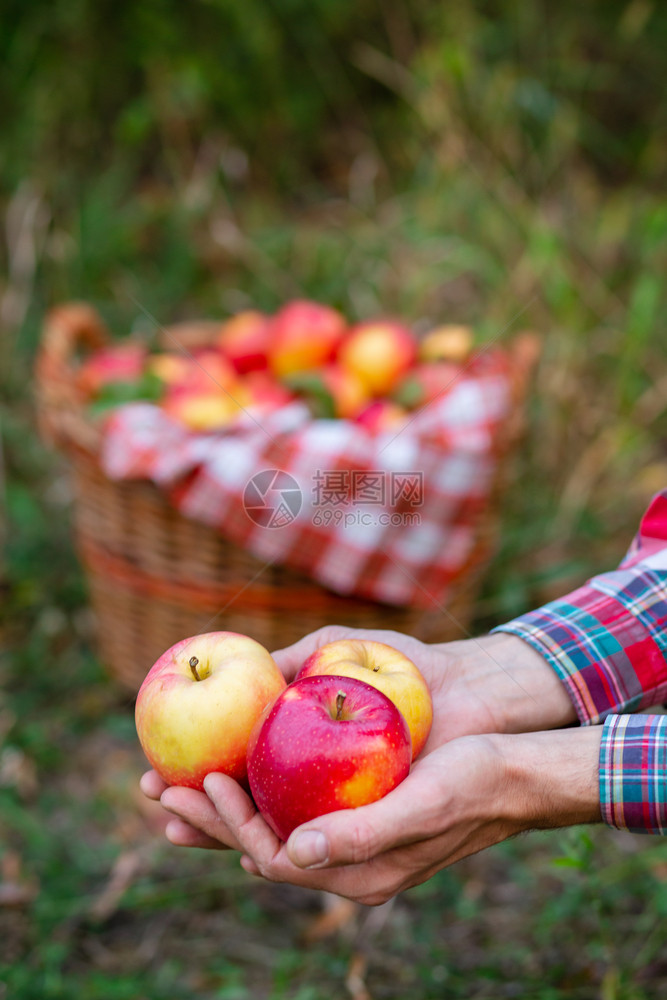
[[607, 641], [392, 517]]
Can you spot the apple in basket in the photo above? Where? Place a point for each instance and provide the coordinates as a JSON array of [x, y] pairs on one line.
[[387, 669], [304, 336], [446, 343], [265, 393], [210, 411], [326, 743], [382, 415], [123, 362], [245, 339], [379, 352], [199, 703], [330, 392]]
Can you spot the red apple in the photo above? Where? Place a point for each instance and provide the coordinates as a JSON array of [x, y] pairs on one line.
[[327, 743], [387, 669], [199, 703], [304, 336], [446, 343], [117, 363], [378, 352], [382, 415], [264, 393], [245, 340]]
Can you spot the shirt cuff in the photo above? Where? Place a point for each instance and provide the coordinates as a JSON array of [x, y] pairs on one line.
[[633, 773], [603, 647]]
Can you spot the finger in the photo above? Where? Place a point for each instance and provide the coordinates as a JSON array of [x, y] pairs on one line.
[[237, 810], [291, 658], [197, 811], [181, 834], [263, 854], [152, 785]]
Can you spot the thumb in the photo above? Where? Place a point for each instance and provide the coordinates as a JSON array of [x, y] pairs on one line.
[[354, 836]]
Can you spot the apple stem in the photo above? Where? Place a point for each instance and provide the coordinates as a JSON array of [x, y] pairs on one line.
[[375, 669], [340, 698], [194, 663]]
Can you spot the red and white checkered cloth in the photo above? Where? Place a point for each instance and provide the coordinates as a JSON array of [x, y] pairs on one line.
[[392, 517]]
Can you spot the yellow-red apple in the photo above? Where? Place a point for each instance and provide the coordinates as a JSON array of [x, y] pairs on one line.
[[304, 336], [348, 392], [199, 703], [378, 352], [171, 368], [327, 743], [208, 411], [446, 343], [387, 669], [331, 391]]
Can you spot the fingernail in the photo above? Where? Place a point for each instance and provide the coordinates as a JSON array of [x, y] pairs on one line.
[[309, 849]]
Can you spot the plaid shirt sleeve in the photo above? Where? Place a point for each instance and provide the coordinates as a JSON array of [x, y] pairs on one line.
[[607, 641]]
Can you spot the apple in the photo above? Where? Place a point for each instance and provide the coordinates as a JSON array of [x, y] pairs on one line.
[[169, 367], [207, 371], [245, 339], [381, 415], [348, 392], [199, 703], [387, 669], [304, 336], [378, 352], [330, 392], [326, 743], [426, 382], [116, 363], [201, 412], [446, 343], [264, 393]]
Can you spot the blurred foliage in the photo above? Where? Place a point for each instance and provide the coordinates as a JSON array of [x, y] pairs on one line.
[[495, 163]]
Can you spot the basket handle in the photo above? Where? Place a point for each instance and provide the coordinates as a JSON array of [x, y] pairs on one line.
[[67, 329]]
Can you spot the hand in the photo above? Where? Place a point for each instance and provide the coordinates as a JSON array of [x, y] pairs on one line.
[[496, 684], [466, 795]]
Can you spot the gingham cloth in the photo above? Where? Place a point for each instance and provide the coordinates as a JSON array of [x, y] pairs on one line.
[[607, 641], [393, 517]]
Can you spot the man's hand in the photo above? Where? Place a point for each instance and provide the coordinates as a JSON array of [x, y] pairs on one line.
[[466, 795], [465, 792]]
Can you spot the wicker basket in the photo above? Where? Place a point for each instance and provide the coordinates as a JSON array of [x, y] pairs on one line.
[[155, 576]]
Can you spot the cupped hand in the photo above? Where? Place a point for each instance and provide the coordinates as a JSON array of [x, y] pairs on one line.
[[367, 854], [496, 684], [462, 797]]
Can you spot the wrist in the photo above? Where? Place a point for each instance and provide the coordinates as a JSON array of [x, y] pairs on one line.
[[551, 779], [518, 686]]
